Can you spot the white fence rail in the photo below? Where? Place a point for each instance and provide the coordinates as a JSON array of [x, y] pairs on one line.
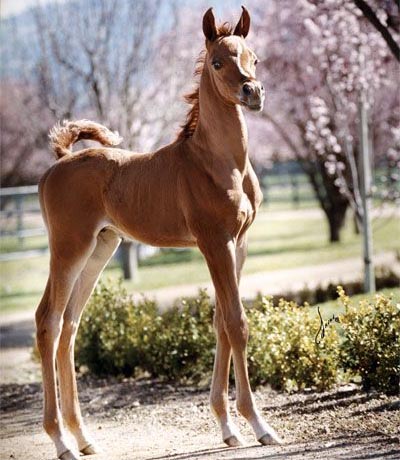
[[20, 219]]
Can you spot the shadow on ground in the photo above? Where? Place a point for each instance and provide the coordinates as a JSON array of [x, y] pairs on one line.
[[17, 334]]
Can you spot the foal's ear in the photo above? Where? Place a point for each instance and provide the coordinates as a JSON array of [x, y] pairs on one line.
[[209, 27], [243, 26]]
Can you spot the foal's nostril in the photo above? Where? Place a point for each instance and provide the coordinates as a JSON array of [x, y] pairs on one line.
[[247, 89], [262, 87]]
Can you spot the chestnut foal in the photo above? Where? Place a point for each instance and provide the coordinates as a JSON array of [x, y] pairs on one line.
[[200, 190]]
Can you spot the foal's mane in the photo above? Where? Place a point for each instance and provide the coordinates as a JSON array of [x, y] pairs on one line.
[[192, 117]]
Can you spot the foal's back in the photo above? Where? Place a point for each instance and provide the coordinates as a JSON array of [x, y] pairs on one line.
[[136, 194]]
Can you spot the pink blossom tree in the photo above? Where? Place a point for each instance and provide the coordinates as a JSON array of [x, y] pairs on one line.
[[387, 24], [315, 64]]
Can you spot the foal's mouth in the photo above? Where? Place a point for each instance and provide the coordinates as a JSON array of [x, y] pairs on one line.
[[252, 107]]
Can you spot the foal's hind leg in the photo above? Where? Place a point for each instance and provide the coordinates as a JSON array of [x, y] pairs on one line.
[[65, 266], [107, 242]]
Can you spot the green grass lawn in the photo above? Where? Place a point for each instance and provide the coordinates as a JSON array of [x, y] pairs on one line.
[[276, 241], [11, 244]]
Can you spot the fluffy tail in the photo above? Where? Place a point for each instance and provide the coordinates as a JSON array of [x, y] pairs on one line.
[[65, 134]]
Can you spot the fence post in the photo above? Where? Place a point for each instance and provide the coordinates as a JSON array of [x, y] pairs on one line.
[[295, 190], [129, 260], [265, 189]]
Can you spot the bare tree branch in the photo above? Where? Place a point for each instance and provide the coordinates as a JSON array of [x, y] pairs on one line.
[[369, 14]]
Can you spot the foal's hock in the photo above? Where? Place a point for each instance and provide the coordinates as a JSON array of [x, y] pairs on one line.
[[200, 190]]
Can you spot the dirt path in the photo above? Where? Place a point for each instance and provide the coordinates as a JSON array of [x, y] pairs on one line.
[[147, 420], [279, 281], [271, 282]]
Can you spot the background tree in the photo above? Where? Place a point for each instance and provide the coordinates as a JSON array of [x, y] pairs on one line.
[[122, 63], [24, 119], [107, 60], [119, 62]]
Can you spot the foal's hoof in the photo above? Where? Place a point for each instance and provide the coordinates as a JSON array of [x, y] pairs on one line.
[[89, 450], [270, 438], [68, 455], [233, 441]]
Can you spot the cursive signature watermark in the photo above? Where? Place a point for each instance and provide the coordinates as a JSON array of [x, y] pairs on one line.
[[323, 325]]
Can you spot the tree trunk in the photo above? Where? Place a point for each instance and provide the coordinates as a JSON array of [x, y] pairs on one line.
[[356, 222], [329, 197], [336, 219], [129, 261], [332, 202]]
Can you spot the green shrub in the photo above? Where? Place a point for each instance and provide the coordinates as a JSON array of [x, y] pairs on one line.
[[183, 343], [118, 336], [385, 277], [371, 343], [282, 347], [114, 332]]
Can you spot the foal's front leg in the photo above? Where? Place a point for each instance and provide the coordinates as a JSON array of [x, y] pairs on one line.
[[221, 260], [220, 383]]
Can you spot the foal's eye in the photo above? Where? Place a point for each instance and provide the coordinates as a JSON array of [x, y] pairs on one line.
[[217, 65], [255, 61]]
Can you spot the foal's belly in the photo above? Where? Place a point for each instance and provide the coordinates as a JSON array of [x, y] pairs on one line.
[[151, 223], [154, 238]]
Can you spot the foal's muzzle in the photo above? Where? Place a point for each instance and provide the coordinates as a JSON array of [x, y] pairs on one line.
[[252, 95]]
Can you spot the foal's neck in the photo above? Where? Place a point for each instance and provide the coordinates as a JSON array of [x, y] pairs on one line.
[[221, 131]]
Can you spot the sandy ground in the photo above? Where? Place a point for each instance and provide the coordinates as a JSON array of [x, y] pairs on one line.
[[148, 420]]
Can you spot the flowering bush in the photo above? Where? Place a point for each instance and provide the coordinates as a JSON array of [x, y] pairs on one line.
[[283, 351], [371, 345], [332, 59], [119, 336]]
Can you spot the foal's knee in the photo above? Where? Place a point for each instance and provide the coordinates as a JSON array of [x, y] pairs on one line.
[[237, 329], [48, 330]]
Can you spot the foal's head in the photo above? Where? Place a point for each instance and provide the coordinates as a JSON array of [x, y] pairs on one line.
[[231, 64]]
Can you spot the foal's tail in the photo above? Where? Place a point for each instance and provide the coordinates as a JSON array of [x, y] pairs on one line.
[[64, 134]]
